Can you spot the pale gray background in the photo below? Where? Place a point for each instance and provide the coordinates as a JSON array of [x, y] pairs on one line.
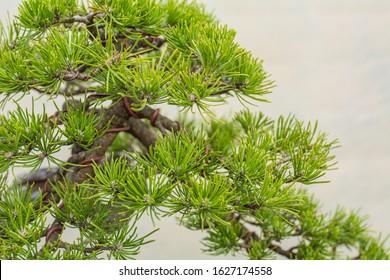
[[331, 63]]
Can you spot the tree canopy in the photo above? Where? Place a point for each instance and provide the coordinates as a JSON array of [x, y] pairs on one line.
[[114, 62]]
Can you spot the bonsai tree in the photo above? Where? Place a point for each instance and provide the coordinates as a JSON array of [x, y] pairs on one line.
[[108, 65]]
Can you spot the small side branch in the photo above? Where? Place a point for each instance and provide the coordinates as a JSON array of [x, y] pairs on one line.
[[250, 236], [86, 19]]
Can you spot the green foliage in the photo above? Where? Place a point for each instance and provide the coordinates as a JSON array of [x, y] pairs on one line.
[[81, 128], [60, 52], [13, 51], [41, 14], [143, 14], [204, 202], [22, 221], [219, 64], [27, 140], [239, 179], [178, 156], [181, 11], [98, 221]]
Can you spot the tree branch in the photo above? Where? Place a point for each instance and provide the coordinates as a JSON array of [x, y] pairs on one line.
[[86, 19], [249, 236], [142, 132]]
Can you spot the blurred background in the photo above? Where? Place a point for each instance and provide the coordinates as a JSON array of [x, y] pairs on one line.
[[331, 62]]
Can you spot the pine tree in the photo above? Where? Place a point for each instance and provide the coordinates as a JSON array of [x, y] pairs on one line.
[[240, 179]]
